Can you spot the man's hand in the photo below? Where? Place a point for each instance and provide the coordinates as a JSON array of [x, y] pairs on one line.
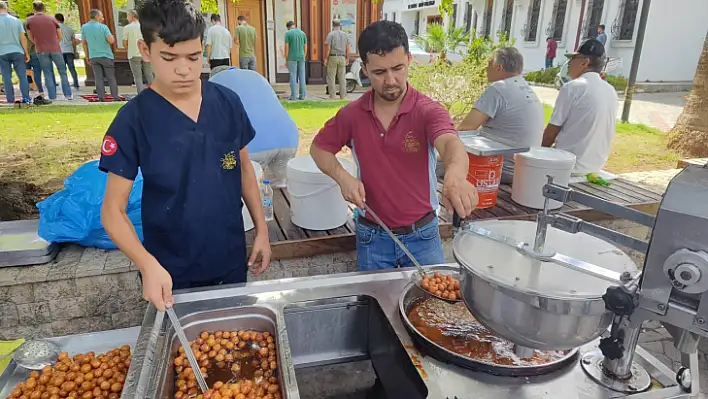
[[459, 194], [353, 190], [261, 249], [157, 286], [27, 58], [325, 61]]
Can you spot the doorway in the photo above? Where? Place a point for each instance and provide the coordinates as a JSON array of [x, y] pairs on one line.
[[435, 19], [253, 11]]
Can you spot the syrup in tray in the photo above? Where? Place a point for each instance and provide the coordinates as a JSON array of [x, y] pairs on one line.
[[454, 328]]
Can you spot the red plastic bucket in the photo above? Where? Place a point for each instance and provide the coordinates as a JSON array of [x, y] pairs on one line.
[[485, 174]]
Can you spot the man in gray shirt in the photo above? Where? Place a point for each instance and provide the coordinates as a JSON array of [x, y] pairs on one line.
[[337, 45], [68, 44], [509, 108]]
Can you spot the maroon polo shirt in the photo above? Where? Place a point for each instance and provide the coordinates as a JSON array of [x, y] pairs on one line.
[[44, 33], [397, 165]]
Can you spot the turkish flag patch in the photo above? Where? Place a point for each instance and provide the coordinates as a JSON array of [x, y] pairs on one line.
[[109, 146]]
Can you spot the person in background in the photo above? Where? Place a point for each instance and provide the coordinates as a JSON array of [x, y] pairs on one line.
[[33, 66], [142, 71], [68, 47], [188, 137], [295, 52], [551, 49], [97, 42], [393, 131], [46, 34], [218, 43], [508, 108], [276, 139], [337, 46], [601, 35], [584, 117], [14, 54], [245, 40]]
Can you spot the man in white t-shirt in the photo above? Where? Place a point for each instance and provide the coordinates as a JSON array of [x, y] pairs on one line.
[[509, 108], [131, 37], [583, 120], [218, 43]]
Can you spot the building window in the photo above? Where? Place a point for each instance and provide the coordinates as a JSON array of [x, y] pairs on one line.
[[506, 18], [416, 24], [593, 18], [385, 17], [530, 30], [468, 17], [555, 27], [488, 19], [393, 14], [623, 27], [346, 12], [453, 22]]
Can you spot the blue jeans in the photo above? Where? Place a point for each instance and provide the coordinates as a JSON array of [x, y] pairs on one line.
[[15, 61], [549, 63], [45, 62], [297, 75], [375, 250], [36, 72], [69, 61]]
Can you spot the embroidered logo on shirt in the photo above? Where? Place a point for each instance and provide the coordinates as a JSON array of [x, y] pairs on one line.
[[229, 161], [109, 146], [411, 143]]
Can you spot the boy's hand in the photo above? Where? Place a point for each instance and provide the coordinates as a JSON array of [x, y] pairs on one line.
[[157, 286], [261, 248]]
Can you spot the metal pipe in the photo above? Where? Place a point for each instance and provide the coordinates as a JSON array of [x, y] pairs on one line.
[[622, 368], [635, 60]]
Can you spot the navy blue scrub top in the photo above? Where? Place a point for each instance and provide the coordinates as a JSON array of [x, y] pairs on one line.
[[191, 205]]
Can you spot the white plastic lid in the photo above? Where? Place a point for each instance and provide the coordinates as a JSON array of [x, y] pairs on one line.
[[548, 158], [306, 164]]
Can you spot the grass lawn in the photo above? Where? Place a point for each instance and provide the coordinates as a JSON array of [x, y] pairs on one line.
[[39, 147]]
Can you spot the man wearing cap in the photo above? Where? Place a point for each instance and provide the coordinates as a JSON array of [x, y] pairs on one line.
[[583, 120]]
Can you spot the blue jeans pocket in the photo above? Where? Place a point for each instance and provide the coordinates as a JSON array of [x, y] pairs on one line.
[[364, 235], [429, 232]]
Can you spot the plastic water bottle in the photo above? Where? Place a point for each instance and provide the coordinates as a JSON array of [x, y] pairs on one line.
[[267, 197]]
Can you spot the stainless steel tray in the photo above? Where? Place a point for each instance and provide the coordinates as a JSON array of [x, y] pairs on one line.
[[21, 245], [97, 342], [485, 145], [412, 294]]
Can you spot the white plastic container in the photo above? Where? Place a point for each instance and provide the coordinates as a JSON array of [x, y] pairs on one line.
[[247, 221], [316, 201], [530, 171]]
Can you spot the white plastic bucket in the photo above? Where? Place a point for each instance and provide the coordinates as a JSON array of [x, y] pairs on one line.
[[247, 221], [316, 201], [530, 171]]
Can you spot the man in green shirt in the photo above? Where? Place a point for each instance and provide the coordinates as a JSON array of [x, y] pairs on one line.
[[295, 50], [245, 40]]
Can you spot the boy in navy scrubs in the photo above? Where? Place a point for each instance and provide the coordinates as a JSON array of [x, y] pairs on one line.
[[189, 139]]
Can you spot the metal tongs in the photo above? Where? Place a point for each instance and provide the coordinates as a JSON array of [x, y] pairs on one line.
[[187, 349], [417, 277]]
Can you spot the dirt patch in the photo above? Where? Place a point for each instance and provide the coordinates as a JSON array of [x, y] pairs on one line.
[[18, 200]]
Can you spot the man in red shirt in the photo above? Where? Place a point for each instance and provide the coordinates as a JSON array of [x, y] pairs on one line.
[[551, 48], [45, 33], [393, 131]]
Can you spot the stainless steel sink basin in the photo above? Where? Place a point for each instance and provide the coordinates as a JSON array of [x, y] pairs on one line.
[[350, 329]]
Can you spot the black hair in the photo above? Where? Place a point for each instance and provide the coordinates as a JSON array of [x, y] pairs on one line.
[[215, 17], [173, 21], [382, 37], [241, 18], [289, 24], [38, 6], [59, 17], [94, 13], [601, 26]]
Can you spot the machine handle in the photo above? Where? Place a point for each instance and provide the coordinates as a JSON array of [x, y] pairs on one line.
[[456, 220]]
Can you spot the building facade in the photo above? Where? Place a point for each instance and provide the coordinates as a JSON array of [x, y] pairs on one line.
[[269, 18], [672, 44]]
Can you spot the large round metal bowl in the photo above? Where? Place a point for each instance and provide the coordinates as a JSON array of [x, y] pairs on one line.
[[412, 294], [540, 305]]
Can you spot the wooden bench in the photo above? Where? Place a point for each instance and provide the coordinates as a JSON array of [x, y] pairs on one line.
[[290, 241], [682, 163]]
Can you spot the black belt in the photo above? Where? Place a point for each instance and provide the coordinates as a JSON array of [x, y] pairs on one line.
[[337, 55], [429, 217]]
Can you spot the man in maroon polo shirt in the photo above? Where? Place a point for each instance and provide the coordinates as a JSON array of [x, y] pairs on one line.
[[45, 33], [393, 131]]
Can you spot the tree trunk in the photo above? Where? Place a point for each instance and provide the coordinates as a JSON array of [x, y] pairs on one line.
[[690, 134]]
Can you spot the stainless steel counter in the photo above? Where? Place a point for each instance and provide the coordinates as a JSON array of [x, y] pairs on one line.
[[336, 319], [74, 344]]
